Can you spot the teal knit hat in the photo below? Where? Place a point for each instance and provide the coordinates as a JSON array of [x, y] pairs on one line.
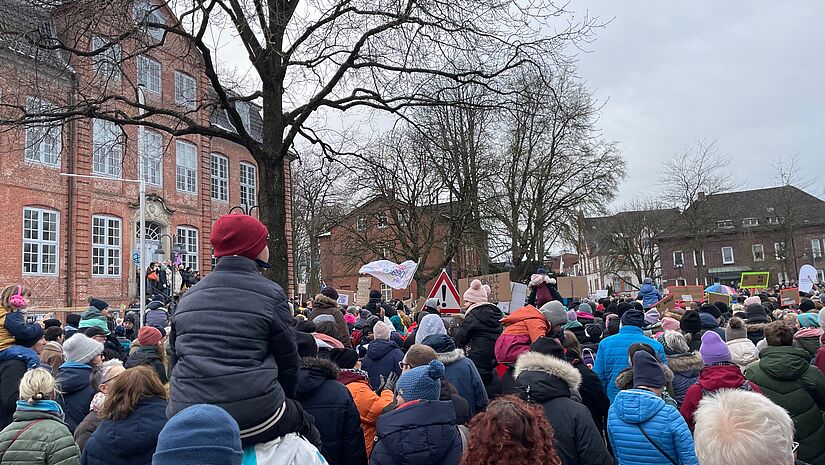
[[95, 323], [421, 383]]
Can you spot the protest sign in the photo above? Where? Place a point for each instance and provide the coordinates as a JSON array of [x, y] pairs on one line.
[[499, 286], [572, 286], [789, 297], [755, 280]]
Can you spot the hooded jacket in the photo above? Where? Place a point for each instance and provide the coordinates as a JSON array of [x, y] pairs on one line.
[[336, 416], [418, 433], [685, 368], [130, 441], [52, 355], [324, 305], [462, 373], [785, 377], [383, 357], [430, 325], [743, 352], [477, 334], [711, 379], [612, 356], [649, 295], [369, 404], [709, 324], [548, 381], [521, 328], [46, 442], [148, 356], [75, 391], [807, 339], [757, 319], [639, 408]]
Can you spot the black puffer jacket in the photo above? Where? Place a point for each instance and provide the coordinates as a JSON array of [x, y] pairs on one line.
[[548, 381], [478, 334], [592, 393], [336, 416], [233, 330], [148, 356], [11, 372], [756, 321]]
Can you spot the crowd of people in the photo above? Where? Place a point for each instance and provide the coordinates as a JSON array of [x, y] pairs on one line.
[[238, 375]]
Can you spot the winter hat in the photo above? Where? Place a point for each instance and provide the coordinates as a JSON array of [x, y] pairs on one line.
[[81, 349], [431, 303], [375, 294], [330, 292], [93, 331], [430, 324], [73, 320], [548, 346], [381, 330], [754, 299], [349, 318], [95, 323], [541, 270], [723, 308], [441, 343], [554, 312], [633, 318], [808, 320], [149, 336], [237, 234], [586, 308], [571, 315], [736, 329], [647, 281], [322, 318], [647, 371], [475, 294], [670, 324], [307, 347], [807, 305], [714, 349], [691, 322], [421, 383], [711, 310], [344, 358], [822, 316], [651, 317], [98, 304], [36, 333], [197, 435], [51, 322]]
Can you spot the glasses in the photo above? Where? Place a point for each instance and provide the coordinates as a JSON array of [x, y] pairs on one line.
[[115, 376], [403, 365]]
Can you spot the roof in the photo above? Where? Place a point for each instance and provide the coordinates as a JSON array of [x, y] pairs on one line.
[[23, 24], [594, 225], [256, 121]]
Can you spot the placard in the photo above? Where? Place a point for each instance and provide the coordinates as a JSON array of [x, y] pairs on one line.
[[302, 288], [755, 280], [668, 302], [714, 297], [499, 286], [687, 293], [362, 295], [789, 297], [572, 286], [519, 292], [345, 297]]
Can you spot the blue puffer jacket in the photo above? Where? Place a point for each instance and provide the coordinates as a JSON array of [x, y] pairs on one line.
[[383, 357], [74, 384], [649, 295], [664, 424], [418, 433], [461, 372], [612, 356], [130, 441]]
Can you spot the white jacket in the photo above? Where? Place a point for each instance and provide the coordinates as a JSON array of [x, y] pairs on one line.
[[285, 450], [743, 352]]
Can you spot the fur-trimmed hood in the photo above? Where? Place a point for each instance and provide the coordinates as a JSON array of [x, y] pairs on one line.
[[625, 378], [450, 357], [321, 366], [685, 363], [323, 301], [555, 367]]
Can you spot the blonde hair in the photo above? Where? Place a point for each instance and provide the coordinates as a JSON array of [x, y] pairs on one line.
[[11, 290], [37, 384]]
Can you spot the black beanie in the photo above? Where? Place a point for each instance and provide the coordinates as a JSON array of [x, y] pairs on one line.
[[723, 308], [51, 322], [344, 358], [690, 322], [375, 295], [73, 319], [307, 347], [807, 305], [548, 346], [647, 371], [633, 318], [330, 292], [710, 309]]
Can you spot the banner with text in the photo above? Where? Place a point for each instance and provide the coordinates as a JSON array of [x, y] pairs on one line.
[[394, 275]]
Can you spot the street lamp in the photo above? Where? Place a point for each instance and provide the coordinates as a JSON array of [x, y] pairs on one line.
[[174, 242], [142, 246]]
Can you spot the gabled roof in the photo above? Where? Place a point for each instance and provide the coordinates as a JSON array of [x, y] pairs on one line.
[[23, 24], [591, 227], [218, 117]]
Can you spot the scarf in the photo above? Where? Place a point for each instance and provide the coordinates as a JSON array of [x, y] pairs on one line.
[[97, 402], [47, 406]]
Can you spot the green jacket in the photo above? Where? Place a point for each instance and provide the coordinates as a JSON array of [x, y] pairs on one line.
[[786, 378], [47, 442]]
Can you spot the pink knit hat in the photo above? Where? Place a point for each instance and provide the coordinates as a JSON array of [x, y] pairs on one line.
[[754, 299], [670, 324], [476, 293]]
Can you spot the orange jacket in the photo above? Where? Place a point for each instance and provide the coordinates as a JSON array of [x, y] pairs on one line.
[[526, 320], [370, 405]]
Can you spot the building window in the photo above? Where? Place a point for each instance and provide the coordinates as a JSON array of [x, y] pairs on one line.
[[820, 275], [40, 241], [468, 255], [106, 246], [150, 157], [403, 218], [747, 222], [188, 240], [149, 74], [384, 251], [361, 223], [184, 89], [724, 224], [386, 292], [43, 137], [382, 221], [107, 58], [220, 178], [243, 111], [678, 259], [694, 258], [249, 192], [681, 282], [727, 255], [758, 253], [816, 248], [186, 167], [779, 250], [145, 12], [107, 148], [774, 220]]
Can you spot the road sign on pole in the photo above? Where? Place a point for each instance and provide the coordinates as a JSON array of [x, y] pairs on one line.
[[136, 258], [444, 290]]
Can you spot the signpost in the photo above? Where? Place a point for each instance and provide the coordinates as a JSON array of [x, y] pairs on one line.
[[446, 293], [499, 286], [755, 280]]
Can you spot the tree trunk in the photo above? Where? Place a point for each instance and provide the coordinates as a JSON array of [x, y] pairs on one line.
[[272, 196], [314, 278]]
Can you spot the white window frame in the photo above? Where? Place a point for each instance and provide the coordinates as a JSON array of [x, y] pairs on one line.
[[107, 148], [778, 247], [382, 220], [725, 261], [37, 242], [186, 167], [681, 282], [820, 275], [106, 254], [694, 257], [386, 292], [188, 240], [724, 224], [816, 248], [146, 12], [750, 222], [361, 223], [150, 157], [185, 89], [761, 248], [44, 140], [106, 63], [682, 255], [219, 178], [150, 74], [249, 184]]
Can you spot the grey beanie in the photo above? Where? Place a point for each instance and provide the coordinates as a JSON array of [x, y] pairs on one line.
[[321, 318], [81, 349], [554, 312]]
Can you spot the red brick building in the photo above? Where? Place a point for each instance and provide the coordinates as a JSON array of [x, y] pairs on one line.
[[69, 238], [371, 232]]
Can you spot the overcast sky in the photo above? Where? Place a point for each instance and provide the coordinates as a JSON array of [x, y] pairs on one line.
[[748, 73]]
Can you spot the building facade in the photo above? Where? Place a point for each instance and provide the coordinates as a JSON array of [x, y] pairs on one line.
[[70, 238]]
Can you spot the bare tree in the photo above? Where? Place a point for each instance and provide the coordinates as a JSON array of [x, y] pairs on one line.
[[790, 208], [309, 59]]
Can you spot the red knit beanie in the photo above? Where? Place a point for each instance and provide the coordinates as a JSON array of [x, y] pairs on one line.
[[149, 336], [238, 235]]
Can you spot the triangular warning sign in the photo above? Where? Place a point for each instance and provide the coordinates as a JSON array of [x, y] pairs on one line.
[[444, 290]]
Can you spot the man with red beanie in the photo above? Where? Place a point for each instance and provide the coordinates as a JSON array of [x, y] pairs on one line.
[[232, 338]]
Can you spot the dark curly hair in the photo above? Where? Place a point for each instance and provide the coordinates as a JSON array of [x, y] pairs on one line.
[[511, 431]]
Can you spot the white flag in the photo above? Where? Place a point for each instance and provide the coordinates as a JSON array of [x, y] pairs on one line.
[[397, 276]]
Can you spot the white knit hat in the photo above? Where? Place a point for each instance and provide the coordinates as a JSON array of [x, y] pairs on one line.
[[81, 349]]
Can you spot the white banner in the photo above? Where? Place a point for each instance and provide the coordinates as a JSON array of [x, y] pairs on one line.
[[397, 276]]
